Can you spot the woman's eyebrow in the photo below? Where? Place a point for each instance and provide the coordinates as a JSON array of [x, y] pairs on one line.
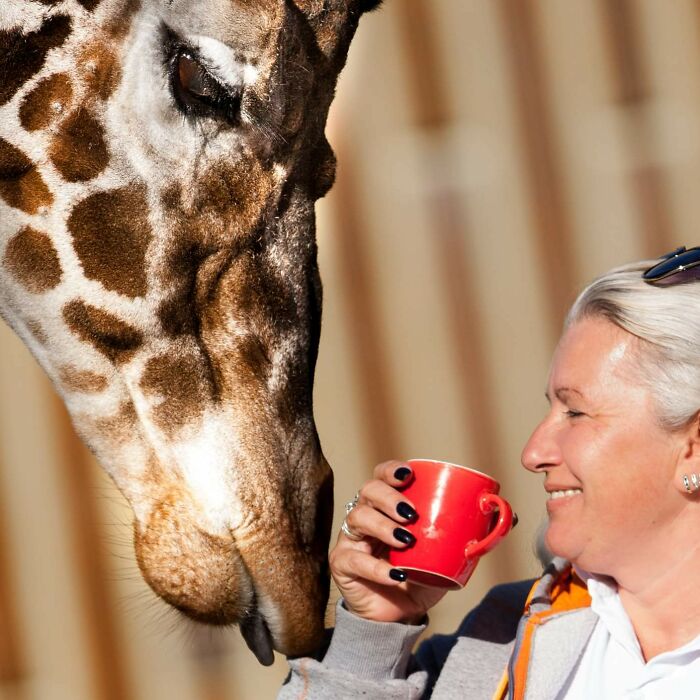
[[562, 392]]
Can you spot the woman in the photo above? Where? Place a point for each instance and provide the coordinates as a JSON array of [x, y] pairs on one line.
[[617, 612]]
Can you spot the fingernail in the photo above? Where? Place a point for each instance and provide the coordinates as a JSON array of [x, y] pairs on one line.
[[397, 574], [402, 473], [405, 511], [404, 536], [515, 520]]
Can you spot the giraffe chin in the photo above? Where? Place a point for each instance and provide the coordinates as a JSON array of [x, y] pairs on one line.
[[199, 574]]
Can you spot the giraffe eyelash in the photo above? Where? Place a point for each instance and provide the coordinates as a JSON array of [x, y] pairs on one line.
[[197, 93]]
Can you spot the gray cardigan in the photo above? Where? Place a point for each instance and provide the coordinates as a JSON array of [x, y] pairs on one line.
[[368, 659]]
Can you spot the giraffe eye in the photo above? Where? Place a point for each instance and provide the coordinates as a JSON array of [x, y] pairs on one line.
[[198, 93]]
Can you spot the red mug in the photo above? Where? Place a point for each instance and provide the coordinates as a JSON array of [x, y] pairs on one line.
[[457, 522]]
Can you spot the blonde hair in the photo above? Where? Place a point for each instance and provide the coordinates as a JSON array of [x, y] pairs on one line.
[[667, 322]]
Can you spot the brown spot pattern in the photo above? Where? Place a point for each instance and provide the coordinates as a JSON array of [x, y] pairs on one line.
[[89, 5], [82, 381], [120, 24], [192, 270], [37, 331], [120, 427], [21, 185], [110, 235], [37, 110], [102, 70], [182, 382], [79, 151], [32, 259], [238, 191], [23, 55], [111, 336], [108, 432]]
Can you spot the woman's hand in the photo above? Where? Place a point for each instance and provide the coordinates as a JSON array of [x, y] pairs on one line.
[[370, 587]]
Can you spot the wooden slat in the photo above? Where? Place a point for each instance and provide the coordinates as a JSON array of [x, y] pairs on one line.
[[425, 78], [471, 362], [631, 91], [368, 347], [106, 660], [552, 223], [12, 662], [209, 653]]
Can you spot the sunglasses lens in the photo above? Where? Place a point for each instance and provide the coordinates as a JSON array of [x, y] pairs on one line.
[[667, 267], [687, 275]]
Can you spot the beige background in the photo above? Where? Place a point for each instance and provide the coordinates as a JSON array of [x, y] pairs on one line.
[[494, 154]]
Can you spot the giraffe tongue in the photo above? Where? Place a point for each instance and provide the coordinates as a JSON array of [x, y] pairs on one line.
[[257, 636]]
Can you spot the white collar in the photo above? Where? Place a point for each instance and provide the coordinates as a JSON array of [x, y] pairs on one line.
[[606, 603]]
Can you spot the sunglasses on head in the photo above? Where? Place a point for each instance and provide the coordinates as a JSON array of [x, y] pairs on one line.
[[675, 268]]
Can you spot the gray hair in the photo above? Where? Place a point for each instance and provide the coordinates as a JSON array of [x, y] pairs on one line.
[[667, 322]]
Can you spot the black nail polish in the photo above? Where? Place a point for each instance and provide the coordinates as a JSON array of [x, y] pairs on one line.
[[405, 511], [397, 574], [404, 536], [402, 473], [515, 520]]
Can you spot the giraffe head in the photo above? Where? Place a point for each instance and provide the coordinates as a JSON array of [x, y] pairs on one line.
[[159, 164]]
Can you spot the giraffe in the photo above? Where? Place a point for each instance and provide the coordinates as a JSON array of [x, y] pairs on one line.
[[159, 165]]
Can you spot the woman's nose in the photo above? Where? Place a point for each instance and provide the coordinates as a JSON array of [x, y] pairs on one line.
[[541, 450]]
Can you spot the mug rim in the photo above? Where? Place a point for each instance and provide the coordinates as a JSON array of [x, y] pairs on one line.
[[455, 587], [452, 464]]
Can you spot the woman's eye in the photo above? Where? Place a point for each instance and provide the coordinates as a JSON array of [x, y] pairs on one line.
[[199, 94], [571, 413]]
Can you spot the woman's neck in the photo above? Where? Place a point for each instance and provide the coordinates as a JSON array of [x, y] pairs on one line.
[[663, 603]]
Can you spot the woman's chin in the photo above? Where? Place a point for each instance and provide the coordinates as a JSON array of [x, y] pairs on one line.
[[560, 544]]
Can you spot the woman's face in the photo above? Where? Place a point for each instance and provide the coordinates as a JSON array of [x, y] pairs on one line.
[[609, 467]]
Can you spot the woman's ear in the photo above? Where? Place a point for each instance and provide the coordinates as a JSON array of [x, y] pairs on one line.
[[687, 476]]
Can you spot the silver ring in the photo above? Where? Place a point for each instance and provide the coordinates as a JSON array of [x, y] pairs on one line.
[[350, 533], [695, 480], [345, 528], [686, 483], [351, 504]]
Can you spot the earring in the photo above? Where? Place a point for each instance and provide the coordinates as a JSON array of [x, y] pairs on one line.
[[686, 483], [696, 481]]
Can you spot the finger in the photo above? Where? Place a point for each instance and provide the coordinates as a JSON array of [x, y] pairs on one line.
[[387, 499], [369, 522], [349, 565], [394, 472]]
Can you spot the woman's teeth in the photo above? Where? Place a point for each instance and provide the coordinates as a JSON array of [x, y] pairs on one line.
[[562, 494]]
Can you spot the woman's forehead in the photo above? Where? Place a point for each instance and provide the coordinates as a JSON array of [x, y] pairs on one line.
[[591, 352]]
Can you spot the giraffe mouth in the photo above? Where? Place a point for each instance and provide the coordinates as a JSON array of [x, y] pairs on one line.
[[257, 636]]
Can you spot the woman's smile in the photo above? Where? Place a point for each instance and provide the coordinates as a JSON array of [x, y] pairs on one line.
[[560, 494], [558, 499]]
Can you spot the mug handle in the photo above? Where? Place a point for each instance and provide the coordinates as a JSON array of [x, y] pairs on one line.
[[501, 529]]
